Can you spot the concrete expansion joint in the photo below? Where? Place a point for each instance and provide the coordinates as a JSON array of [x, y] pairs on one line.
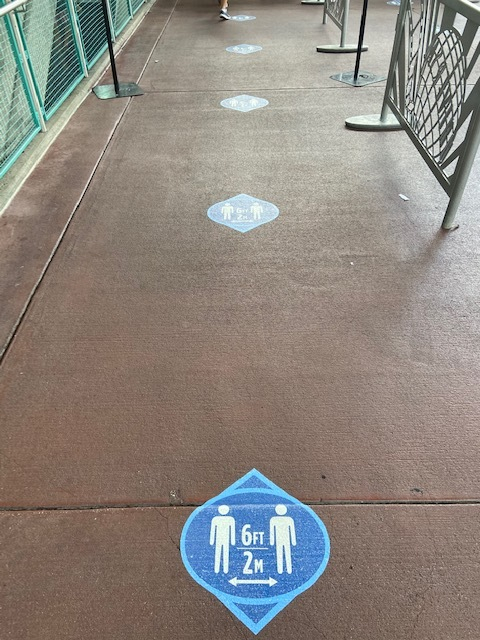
[[194, 505]]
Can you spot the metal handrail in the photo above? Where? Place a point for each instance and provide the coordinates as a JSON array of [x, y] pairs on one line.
[[11, 6]]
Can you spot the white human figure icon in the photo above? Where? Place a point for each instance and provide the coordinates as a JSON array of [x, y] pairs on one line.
[[227, 211], [222, 535], [282, 535], [253, 102], [257, 210], [233, 102]]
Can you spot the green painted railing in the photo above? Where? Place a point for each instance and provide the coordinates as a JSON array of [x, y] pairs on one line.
[[46, 48]]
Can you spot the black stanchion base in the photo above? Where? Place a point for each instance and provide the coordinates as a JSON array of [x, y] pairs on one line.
[[125, 90], [363, 78]]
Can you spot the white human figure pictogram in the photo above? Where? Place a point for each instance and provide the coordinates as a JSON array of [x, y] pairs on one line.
[[227, 211], [222, 535], [282, 535], [257, 210], [233, 102]]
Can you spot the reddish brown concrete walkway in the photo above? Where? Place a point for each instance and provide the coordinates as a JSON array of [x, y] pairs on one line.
[[153, 357]]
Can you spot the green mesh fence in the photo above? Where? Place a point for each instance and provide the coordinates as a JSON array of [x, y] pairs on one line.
[[92, 29], [120, 14], [18, 124], [60, 39], [136, 4], [47, 31]]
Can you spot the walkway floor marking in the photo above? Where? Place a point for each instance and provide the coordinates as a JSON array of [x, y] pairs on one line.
[[244, 103], [243, 18], [256, 548], [243, 212], [244, 48]]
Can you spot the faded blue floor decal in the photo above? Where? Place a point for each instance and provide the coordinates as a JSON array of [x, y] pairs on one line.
[[242, 212], [244, 103], [244, 48], [256, 548], [243, 18]]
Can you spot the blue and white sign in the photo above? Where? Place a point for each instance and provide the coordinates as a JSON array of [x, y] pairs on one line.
[[244, 103], [243, 18], [244, 49], [243, 212], [256, 548]]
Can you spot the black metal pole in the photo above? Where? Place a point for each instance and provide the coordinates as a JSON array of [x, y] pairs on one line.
[[110, 47], [360, 40]]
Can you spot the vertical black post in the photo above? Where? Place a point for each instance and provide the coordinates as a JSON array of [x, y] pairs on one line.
[[360, 40], [110, 47]]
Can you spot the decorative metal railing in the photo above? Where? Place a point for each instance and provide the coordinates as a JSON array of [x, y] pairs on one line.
[[338, 11], [433, 90], [46, 48]]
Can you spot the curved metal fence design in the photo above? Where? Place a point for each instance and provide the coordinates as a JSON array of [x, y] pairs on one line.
[[46, 48], [433, 90]]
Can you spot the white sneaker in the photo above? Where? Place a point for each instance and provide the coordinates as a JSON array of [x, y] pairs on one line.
[[224, 15]]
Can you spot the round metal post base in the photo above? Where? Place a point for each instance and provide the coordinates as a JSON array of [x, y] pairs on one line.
[[125, 90], [373, 123], [335, 48]]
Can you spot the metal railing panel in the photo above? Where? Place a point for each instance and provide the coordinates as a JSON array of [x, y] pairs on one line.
[[121, 14], [46, 48], [18, 123], [440, 99], [136, 4], [92, 29], [338, 11], [433, 89], [47, 32]]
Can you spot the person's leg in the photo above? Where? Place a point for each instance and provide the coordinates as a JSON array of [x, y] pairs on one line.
[[224, 9]]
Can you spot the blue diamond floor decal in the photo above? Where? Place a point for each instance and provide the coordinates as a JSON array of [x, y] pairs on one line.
[[243, 212], [243, 18], [245, 49], [244, 103], [256, 548]]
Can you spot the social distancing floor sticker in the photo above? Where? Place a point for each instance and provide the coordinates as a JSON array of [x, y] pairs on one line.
[[255, 547], [244, 103], [243, 212], [244, 49]]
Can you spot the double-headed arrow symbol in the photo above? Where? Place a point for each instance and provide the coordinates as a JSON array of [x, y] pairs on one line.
[[237, 581]]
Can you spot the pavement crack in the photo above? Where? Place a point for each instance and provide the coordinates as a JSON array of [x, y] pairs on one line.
[[172, 539]]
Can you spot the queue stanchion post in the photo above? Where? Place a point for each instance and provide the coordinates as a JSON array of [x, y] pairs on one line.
[[358, 78], [117, 89]]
